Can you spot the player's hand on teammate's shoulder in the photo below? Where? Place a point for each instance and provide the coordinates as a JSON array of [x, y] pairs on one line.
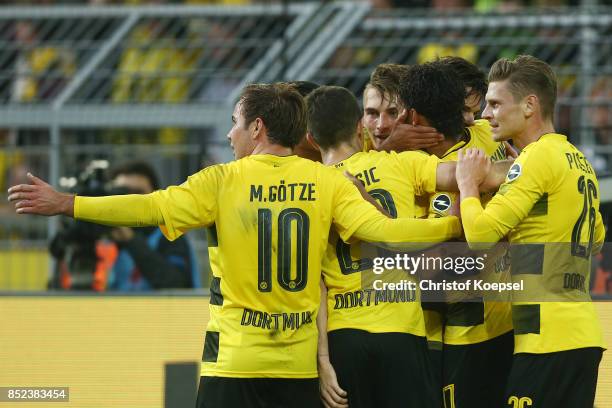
[[366, 196], [357, 183], [40, 198], [332, 395], [408, 136], [473, 165]]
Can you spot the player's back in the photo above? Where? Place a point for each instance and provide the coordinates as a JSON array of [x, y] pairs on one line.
[[272, 223], [272, 217], [553, 190], [354, 300]]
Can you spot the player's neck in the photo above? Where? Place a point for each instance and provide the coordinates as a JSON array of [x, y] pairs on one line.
[[533, 132], [274, 149], [337, 154], [441, 148]]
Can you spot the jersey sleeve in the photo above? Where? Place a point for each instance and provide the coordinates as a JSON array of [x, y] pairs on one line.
[[421, 170], [357, 218], [523, 188], [600, 233], [191, 205], [175, 209], [132, 210]]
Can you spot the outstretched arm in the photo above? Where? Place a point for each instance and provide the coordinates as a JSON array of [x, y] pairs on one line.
[[39, 198], [177, 209]]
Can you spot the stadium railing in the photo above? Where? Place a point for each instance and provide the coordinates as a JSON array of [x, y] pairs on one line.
[[82, 83]]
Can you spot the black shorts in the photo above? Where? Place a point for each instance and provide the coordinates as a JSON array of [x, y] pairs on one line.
[[383, 370], [565, 379], [436, 311], [225, 392], [475, 375], [435, 356]]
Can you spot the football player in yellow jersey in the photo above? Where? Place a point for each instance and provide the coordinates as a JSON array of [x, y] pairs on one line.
[[548, 208], [381, 114], [383, 126], [370, 330], [472, 331], [374, 334], [381, 110], [272, 212]]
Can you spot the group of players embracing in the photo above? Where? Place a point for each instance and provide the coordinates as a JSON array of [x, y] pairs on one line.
[[294, 319]]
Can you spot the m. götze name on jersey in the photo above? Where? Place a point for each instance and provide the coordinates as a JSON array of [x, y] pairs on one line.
[[283, 192]]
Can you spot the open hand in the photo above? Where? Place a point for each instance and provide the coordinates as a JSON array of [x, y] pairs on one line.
[[40, 198], [405, 136]]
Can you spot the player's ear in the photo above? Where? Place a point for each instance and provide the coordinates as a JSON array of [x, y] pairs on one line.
[[414, 118], [403, 116], [529, 105], [313, 143], [256, 127]]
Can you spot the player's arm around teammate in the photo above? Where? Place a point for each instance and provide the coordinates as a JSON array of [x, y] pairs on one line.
[[548, 194], [332, 395]]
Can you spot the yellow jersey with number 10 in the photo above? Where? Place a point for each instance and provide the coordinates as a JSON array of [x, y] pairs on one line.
[[271, 217]]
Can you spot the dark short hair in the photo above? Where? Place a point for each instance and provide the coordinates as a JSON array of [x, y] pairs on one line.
[[333, 115], [386, 79], [280, 107], [471, 76], [437, 93], [528, 75], [136, 167], [304, 87]]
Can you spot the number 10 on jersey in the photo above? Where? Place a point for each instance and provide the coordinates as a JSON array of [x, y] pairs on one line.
[[287, 219]]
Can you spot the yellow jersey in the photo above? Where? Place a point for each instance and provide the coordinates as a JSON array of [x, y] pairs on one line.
[[394, 179], [422, 201], [272, 216], [549, 209], [474, 321]]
